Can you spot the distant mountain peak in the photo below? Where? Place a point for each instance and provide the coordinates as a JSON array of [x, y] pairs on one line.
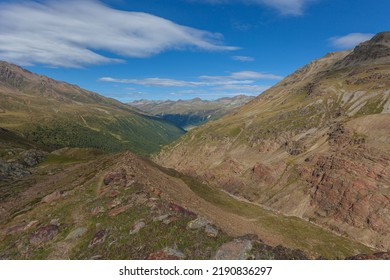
[[192, 112]]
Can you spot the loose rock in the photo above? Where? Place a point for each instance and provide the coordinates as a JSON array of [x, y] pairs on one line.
[[234, 250], [137, 227], [117, 178], [97, 210], [167, 254], [43, 234], [211, 231], [98, 238], [77, 233], [116, 211], [197, 223], [52, 197], [113, 203]]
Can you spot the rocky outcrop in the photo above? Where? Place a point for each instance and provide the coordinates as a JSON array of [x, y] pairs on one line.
[[43, 234], [20, 162], [374, 51], [77, 233], [238, 249], [167, 254], [345, 187], [137, 227], [98, 238], [375, 256]]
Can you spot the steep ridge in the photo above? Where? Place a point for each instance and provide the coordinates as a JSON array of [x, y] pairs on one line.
[[190, 113], [56, 114], [315, 146]]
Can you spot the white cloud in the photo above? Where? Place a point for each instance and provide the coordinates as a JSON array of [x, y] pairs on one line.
[[285, 7], [350, 41], [236, 83], [243, 58], [245, 88], [235, 78], [154, 82], [71, 34], [244, 75]]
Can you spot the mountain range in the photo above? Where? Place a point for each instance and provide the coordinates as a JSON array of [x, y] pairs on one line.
[[188, 114], [300, 172]]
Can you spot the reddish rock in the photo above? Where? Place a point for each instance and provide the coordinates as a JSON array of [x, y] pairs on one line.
[[43, 234], [178, 209], [140, 198], [52, 197], [16, 228], [342, 189], [263, 173], [235, 250], [116, 211], [113, 193], [98, 238], [117, 178], [376, 256], [113, 204], [97, 210], [161, 255], [137, 227], [167, 254], [157, 192]]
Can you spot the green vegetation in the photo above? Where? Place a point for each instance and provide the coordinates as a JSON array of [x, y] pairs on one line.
[[55, 115], [234, 132], [142, 136], [373, 106], [153, 237]]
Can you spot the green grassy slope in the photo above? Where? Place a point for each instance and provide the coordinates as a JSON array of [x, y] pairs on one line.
[[56, 114]]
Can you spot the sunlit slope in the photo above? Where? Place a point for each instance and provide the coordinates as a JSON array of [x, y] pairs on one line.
[[315, 146], [56, 114]]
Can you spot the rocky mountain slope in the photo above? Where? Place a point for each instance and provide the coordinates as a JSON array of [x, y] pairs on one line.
[[55, 114], [77, 204], [190, 113], [315, 146]]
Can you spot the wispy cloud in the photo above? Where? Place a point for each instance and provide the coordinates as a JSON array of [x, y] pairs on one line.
[[243, 75], [236, 83], [285, 7], [74, 33], [154, 82], [235, 78], [350, 41], [244, 88], [243, 58]]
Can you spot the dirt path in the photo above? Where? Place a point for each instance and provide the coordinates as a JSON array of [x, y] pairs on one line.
[[232, 224]]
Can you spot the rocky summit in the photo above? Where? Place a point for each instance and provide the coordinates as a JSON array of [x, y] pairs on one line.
[[316, 146]]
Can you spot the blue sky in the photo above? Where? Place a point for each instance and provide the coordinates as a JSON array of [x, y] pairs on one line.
[[181, 49]]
